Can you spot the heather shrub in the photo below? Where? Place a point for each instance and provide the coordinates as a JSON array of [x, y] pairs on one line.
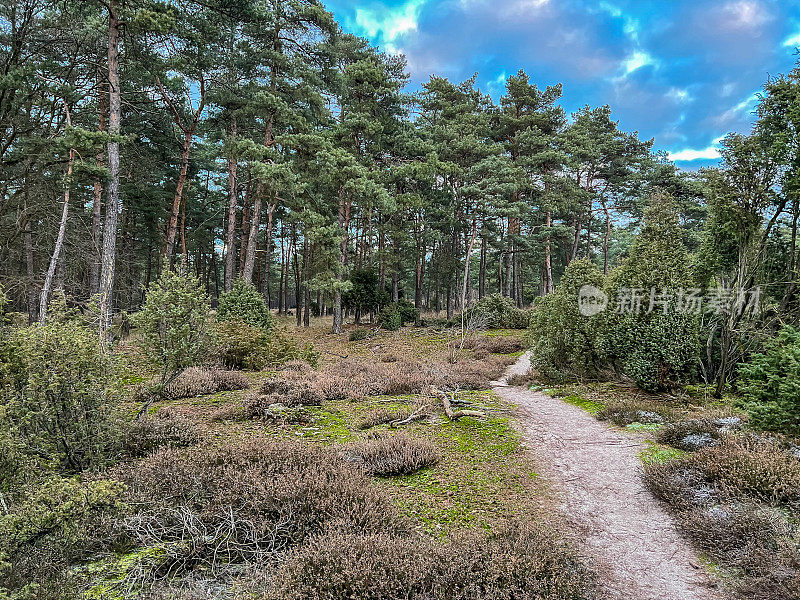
[[195, 381], [58, 406], [770, 383], [244, 303], [397, 454], [165, 428], [504, 345], [754, 467], [690, 435], [172, 326], [716, 495], [518, 561], [207, 507]]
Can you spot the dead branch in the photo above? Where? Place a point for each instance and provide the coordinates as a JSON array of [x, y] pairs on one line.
[[418, 414], [448, 407]]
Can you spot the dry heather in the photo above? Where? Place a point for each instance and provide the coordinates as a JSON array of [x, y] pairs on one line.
[[519, 561], [397, 454], [200, 382], [166, 428], [721, 496], [245, 502], [353, 379]]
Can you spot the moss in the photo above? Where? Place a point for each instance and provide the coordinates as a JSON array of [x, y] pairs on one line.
[[656, 454], [109, 575], [644, 426], [327, 424], [590, 406]]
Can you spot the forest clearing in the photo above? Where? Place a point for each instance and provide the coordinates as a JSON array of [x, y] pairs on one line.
[[399, 300]]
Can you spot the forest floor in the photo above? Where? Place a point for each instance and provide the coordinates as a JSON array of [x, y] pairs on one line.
[[576, 460], [630, 540]]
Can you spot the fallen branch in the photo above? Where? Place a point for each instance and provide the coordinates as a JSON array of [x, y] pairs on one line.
[[448, 407], [418, 414]]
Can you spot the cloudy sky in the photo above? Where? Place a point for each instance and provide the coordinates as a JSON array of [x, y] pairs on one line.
[[684, 72]]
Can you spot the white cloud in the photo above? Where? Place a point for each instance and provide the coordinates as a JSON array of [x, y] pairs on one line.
[[389, 23], [793, 41], [637, 60], [680, 95], [688, 155], [746, 14]]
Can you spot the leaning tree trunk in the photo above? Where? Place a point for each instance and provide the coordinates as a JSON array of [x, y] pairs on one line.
[[178, 199], [113, 204], [62, 229]]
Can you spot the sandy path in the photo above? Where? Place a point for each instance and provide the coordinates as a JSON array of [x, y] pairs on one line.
[[628, 536]]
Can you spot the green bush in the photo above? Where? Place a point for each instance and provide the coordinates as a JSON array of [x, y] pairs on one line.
[[393, 316], [241, 346], [498, 312], [50, 526], [770, 383], [658, 349], [358, 334], [57, 406], [565, 342], [244, 303], [173, 326]]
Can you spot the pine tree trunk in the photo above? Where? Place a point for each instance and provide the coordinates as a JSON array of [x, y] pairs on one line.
[[113, 203], [62, 230], [172, 228], [482, 268], [230, 237], [343, 222], [548, 266], [97, 202]]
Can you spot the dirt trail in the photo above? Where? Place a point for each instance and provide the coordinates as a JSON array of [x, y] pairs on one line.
[[628, 536]]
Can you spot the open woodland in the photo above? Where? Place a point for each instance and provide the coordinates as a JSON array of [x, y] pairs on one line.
[[275, 326]]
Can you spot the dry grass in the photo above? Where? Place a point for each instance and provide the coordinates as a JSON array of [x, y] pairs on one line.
[[397, 454]]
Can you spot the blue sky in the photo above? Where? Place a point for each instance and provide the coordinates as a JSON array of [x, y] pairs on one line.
[[684, 72]]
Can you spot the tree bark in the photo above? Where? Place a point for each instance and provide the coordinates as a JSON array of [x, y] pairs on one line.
[[548, 261], [113, 203], [97, 202], [230, 238], [62, 229], [337, 294], [188, 135]]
